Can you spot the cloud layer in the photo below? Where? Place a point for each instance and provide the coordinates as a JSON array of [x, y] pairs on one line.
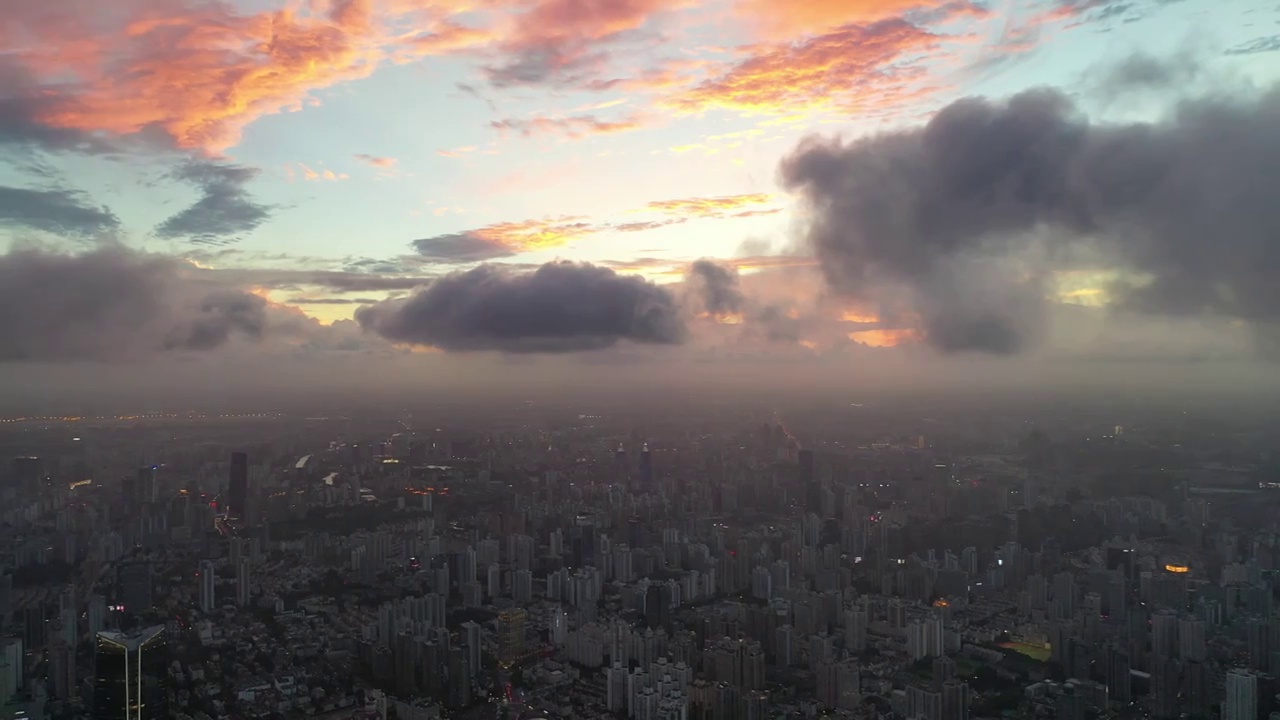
[[560, 307], [114, 304], [223, 210], [57, 211], [964, 222]]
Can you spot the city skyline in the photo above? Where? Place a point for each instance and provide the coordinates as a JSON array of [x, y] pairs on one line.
[[448, 192]]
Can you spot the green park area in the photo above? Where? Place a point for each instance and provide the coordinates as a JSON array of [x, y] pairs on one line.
[[1042, 653]]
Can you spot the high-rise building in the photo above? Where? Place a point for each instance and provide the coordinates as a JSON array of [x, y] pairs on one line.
[[1119, 676], [131, 675], [146, 486], [134, 585], [657, 606], [510, 636], [646, 466], [1191, 639], [471, 641], [955, 700], [238, 486], [62, 668], [97, 614], [1241, 701], [11, 667], [68, 618], [1164, 634], [206, 577], [620, 464], [855, 630], [809, 482], [243, 578], [460, 679], [27, 472]]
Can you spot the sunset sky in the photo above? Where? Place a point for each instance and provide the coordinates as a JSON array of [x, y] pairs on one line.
[[326, 155]]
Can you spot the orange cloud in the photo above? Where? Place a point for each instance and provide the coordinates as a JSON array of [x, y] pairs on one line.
[[884, 337], [724, 319], [457, 152], [553, 41], [385, 163], [575, 127], [311, 175], [787, 20], [712, 206], [201, 75], [501, 240], [537, 234], [859, 316], [855, 68]]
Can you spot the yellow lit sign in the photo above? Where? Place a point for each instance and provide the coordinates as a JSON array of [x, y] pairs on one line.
[[1177, 569]]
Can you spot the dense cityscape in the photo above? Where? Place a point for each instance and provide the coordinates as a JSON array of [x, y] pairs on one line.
[[863, 559]]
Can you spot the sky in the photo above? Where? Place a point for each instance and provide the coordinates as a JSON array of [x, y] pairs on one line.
[[559, 188]]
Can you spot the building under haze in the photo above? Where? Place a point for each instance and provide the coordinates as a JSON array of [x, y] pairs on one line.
[[510, 636], [27, 473], [134, 587], [238, 486], [809, 482], [646, 467], [131, 675]]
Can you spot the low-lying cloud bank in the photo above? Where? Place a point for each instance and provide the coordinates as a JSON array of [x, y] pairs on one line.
[[559, 307], [967, 223]]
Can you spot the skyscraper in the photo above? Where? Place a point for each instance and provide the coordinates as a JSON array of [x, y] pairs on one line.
[[206, 577], [134, 586], [1241, 702], [510, 636], [646, 466], [145, 489], [809, 482], [620, 464], [27, 472], [238, 487], [131, 675], [243, 578]]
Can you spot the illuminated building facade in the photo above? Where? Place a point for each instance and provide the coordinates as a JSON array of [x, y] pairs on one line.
[[131, 675], [510, 636]]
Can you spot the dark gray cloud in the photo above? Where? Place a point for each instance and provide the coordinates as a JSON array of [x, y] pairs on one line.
[[22, 102], [464, 247], [221, 314], [559, 307], [224, 209], [113, 303], [1146, 72], [962, 222], [715, 286], [60, 212], [549, 63]]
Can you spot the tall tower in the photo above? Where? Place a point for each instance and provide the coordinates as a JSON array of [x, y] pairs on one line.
[[1241, 702], [510, 636], [620, 465], [646, 466], [809, 482], [206, 578], [238, 486], [131, 675], [243, 578]]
